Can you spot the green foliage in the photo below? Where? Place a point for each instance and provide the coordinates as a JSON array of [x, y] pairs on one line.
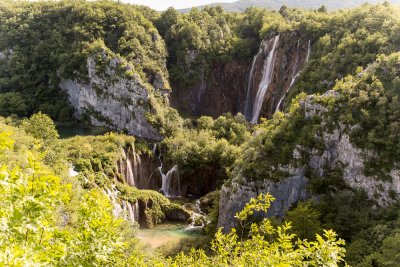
[[29, 78], [95, 157], [39, 228], [199, 39], [259, 250], [41, 127], [212, 146], [305, 220]]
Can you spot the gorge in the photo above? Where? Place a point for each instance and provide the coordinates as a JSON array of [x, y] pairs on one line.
[[219, 138]]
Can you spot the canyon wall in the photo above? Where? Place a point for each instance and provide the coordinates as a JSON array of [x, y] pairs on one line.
[[113, 97]]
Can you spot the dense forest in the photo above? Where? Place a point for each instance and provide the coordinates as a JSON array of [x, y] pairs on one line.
[[273, 135]]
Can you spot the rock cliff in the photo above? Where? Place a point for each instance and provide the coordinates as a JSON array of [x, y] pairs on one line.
[[337, 152], [233, 86], [222, 90], [113, 96]]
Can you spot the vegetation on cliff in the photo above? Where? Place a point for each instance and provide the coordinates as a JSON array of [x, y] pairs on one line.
[[68, 30], [350, 87]]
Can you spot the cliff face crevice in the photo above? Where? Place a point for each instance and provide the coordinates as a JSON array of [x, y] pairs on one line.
[[112, 96]]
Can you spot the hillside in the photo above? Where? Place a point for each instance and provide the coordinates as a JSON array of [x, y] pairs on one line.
[[242, 5], [262, 137]]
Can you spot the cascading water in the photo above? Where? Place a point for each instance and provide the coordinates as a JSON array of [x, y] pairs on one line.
[[308, 51], [268, 70], [112, 195], [168, 179], [130, 166], [131, 211], [129, 178], [295, 76], [247, 105], [197, 218]]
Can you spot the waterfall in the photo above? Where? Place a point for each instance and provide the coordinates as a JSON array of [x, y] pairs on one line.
[[129, 166], [247, 105], [129, 178], [295, 75], [268, 71], [137, 163], [167, 180], [131, 211], [308, 51], [136, 211], [113, 196], [197, 218]]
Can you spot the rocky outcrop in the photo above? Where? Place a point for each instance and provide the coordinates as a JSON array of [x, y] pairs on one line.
[[337, 153], [340, 153], [234, 197], [112, 96]]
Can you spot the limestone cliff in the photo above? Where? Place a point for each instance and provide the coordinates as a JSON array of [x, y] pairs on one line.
[[233, 86], [112, 95], [222, 90], [337, 152]]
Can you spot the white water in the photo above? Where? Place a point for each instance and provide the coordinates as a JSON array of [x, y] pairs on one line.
[[294, 76], [268, 70], [130, 169], [247, 107], [197, 217], [167, 181], [72, 172], [308, 51], [112, 196], [130, 179], [131, 211]]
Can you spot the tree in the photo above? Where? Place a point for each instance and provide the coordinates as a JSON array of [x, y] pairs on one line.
[[322, 9], [41, 127], [266, 245], [305, 220]]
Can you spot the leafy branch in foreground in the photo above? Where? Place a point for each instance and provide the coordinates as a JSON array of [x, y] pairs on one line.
[[259, 249]]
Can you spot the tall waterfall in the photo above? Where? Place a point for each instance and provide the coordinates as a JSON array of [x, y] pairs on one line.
[[247, 106], [295, 75], [268, 70], [308, 51], [296, 72]]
